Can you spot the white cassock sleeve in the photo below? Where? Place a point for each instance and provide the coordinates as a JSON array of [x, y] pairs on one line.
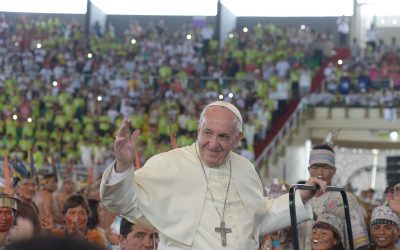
[[278, 215], [118, 193], [117, 177]]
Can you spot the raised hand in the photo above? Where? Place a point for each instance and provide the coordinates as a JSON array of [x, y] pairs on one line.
[[73, 230], [124, 146], [47, 222], [394, 201]]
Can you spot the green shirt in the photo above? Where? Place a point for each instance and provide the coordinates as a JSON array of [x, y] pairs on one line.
[[38, 159], [60, 121]]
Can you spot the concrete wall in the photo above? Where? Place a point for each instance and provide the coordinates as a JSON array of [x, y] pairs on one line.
[[121, 22], [97, 15], [320, 24], [228, 23], [66, 18]]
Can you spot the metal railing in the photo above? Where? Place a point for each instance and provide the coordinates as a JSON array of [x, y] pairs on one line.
[[287, 128], [293, 218]]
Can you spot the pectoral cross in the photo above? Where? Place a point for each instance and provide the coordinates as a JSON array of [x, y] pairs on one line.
[[223, 231]]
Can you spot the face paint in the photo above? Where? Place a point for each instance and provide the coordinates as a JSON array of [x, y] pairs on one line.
[[76, 219], [6, 219]]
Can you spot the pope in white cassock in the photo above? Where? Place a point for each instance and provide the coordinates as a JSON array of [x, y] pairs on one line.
[[202, 196]]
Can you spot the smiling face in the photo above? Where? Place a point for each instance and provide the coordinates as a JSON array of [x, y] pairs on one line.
[[26, 189], [322, 171], [323, 239], [6, 219], [384, 235], [217, 135], [76, 218]]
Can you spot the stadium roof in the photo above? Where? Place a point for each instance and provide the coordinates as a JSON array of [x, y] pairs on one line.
[[262, 8]]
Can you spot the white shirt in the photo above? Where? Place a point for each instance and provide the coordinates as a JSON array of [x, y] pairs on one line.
[[282, 68], [206, 33], [343, 25], [282, 89], [86, 153], [305, 79], [372, 35]]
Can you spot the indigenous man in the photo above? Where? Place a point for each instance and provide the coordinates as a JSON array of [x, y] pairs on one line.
[[8, 207], [202, 196], [25, 188], [322, 166], [384, 228], [44, 197]]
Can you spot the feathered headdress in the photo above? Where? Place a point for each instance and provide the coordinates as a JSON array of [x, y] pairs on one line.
[[331, 137], [21, 172], [9, 201], [324, 154]]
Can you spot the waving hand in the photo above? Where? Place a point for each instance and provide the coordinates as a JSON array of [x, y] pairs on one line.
[[124, 146]]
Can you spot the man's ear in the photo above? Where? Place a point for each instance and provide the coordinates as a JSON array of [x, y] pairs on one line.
[[238, 138]]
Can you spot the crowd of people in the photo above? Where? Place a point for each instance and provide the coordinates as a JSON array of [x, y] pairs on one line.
[[63, 96], [368, 78], [39, 210], [374, 221], [24, 217]]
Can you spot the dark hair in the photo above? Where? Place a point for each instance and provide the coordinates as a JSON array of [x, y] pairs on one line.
[[76, 201], [324, 146], [93, 220], [125, 228], [339, 241], [51, 175]]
